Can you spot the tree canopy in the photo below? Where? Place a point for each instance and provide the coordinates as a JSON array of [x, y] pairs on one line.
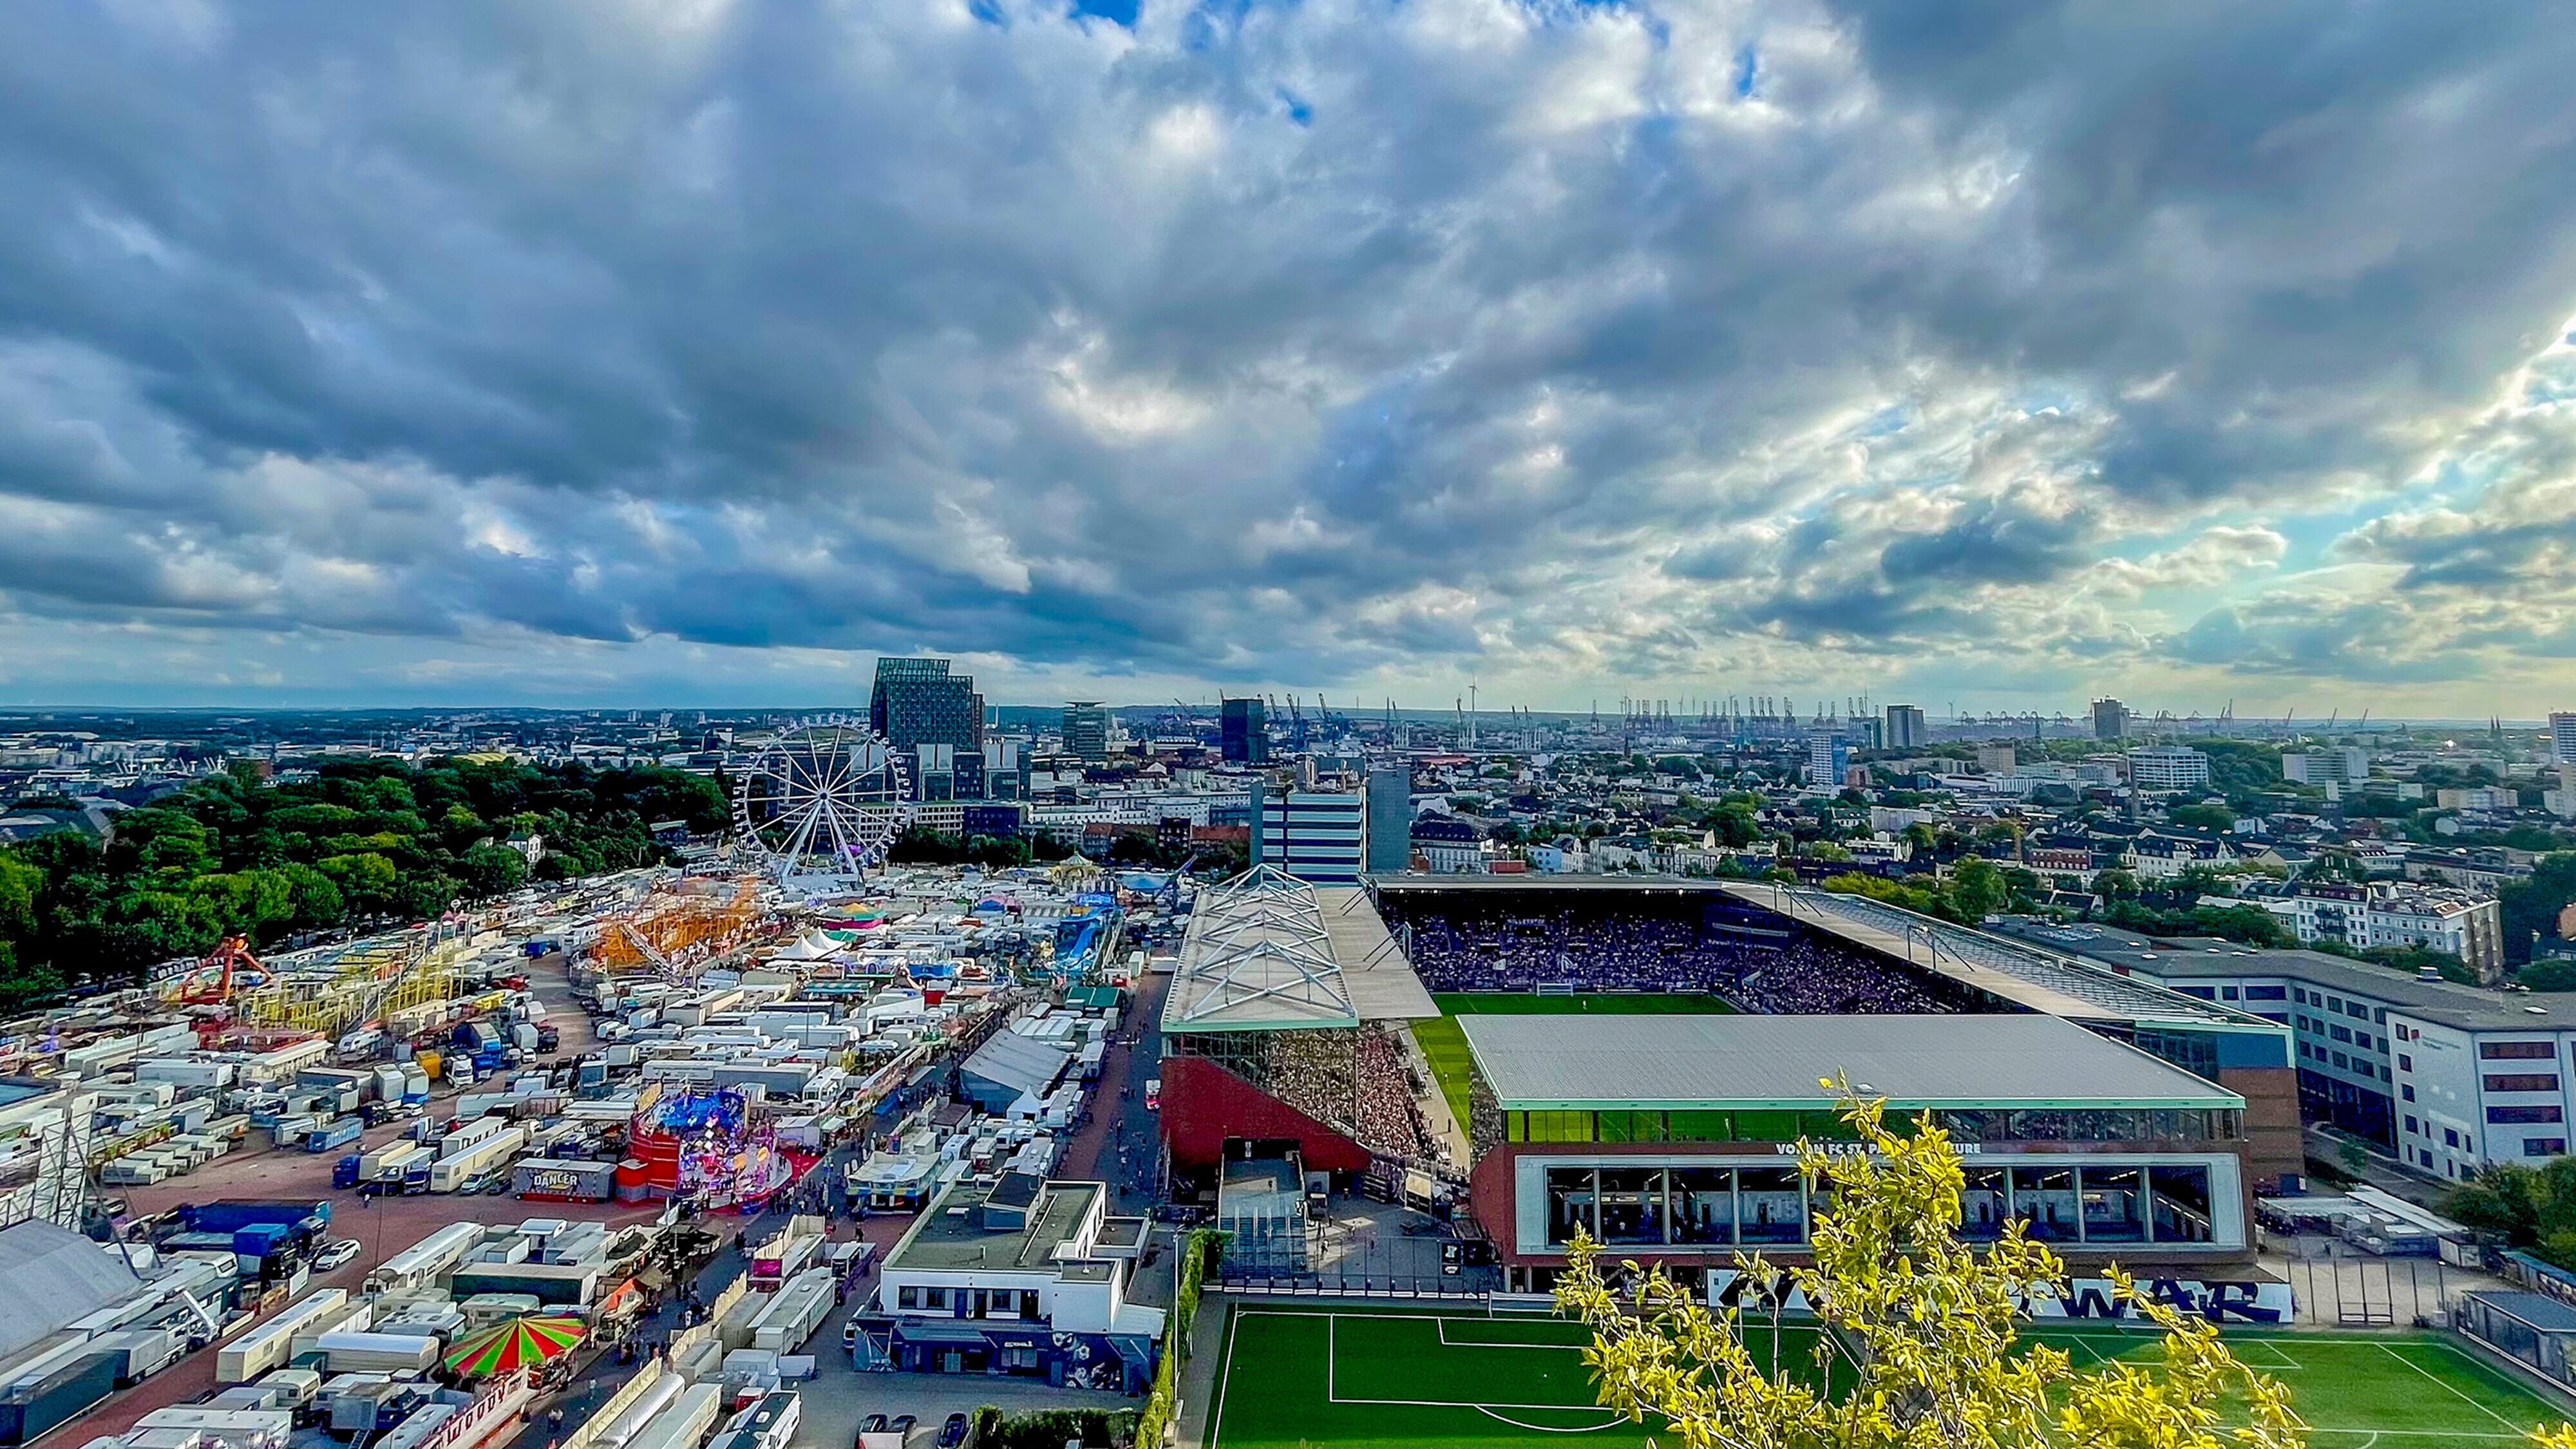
[[364, 840], [1931, 1321]]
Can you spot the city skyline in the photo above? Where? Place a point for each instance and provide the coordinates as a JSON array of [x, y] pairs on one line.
[[1149, 351]]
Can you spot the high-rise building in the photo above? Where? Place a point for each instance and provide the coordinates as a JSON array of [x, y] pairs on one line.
[[918, 702], [1827, 757], [2110, 719], [1390, 819], [1906, 727], [1320, 837], [2562, 737], [1086, 730], [1243, 732]]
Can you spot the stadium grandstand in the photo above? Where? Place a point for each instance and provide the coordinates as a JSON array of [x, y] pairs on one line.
[[1283, 1032], [1783, 951]]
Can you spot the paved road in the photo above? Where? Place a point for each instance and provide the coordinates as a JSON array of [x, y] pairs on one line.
[[1121, 1144]]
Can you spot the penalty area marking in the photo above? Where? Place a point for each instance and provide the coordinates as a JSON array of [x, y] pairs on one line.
[[1613, 1421]]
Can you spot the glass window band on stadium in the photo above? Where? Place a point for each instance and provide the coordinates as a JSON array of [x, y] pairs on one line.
[[1717, 1204], [1759, 1123]]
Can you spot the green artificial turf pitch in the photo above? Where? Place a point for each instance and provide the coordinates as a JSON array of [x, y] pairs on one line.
[[1415, 1379], [1444, 1046], [2405, 1391], [1368, 1380]]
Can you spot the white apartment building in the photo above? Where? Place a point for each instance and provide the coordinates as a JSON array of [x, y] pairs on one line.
[[2562, 737], [2466, 924], [2478, 797], [2342, 765], [2168, 767]]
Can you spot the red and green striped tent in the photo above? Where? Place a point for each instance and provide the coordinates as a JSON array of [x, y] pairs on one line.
[[519, 1343]]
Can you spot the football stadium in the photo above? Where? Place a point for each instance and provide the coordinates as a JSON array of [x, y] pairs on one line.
[[1635, 1058]]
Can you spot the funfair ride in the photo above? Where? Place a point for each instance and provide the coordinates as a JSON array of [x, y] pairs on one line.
[[822, 804], [676, 932], [708, 1147]]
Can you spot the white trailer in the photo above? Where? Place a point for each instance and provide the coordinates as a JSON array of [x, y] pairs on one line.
[[795, 1313], [425, 1262], [270, 1344], [488, 1154], [685, 1424], [378, 1352]]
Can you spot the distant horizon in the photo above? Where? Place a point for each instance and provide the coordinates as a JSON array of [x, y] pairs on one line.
[[2139, 724]]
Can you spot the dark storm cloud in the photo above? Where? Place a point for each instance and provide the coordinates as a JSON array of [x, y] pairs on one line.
[[1031, 334]]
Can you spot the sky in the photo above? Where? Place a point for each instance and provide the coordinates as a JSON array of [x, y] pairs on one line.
[[691, 352]]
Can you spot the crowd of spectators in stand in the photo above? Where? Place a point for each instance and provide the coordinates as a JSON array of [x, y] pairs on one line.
[[1597, 948], [1357, 1082]]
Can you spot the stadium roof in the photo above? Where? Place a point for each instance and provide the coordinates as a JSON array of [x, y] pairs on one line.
[[1268, 952], [2016, 971], [1773, 1063], [2469, 1008]]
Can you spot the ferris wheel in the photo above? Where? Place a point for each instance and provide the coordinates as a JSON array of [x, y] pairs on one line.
[[825, 799]]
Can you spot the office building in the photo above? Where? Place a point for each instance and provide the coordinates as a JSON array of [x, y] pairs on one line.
[[2562, 737], [1906, 727], [918, 702], [2167, 767], [2110, 719], [1026, 1276], [1996, 759], [1086, 730], [1320, 837], [1390, 819], [1243, 732]]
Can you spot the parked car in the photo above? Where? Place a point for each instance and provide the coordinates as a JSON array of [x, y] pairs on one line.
[[900, 1426], [953, 1433], [499, 1184], [873, 1424], [335, 1255]]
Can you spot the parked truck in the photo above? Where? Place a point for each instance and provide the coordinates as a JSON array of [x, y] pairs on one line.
[[385, 1169], [480, 1155], [147, 1351]]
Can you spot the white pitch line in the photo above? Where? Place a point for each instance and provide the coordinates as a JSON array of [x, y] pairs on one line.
[[1224, 1381], [1611, 1422], [2428, 1373]]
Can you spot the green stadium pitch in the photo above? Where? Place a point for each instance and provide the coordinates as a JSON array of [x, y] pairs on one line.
[[1407, 1379], [2394, 1391], [1444, 1046], [1422, 1379]]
